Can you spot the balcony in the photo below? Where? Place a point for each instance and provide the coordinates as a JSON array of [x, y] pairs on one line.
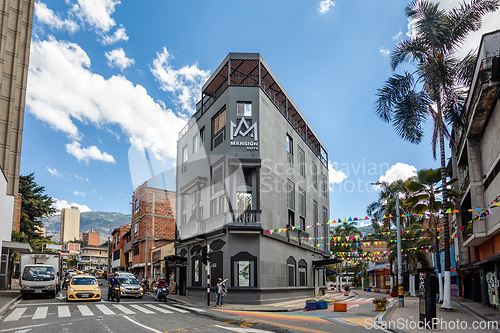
[[246, 217]]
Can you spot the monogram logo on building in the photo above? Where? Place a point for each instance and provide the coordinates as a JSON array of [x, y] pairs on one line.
[[243, 129]]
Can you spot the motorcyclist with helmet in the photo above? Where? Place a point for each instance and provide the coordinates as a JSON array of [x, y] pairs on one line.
[[112, 282], [162, 283]]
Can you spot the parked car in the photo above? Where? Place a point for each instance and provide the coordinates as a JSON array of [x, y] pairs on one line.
[[130, 287], [83, 287]]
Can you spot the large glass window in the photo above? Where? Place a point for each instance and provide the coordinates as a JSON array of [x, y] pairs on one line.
[[244, 200], [315, 221], [324, 186], [222, 204], [136, 229], [291, 266], [202, 136], [314, 176], [196, 144], [291, 195], [302, 273], [302, 208], [289, 149], [243, 270], [217, 177], [196, 271], [185, 155], [136, 205], [302, 162], [219, 121], [244, 109]]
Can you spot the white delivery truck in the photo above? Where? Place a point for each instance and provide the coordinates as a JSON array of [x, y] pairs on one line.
[[40, 273]]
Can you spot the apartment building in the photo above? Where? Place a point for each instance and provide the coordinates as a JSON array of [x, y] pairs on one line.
[[248, 161], [70, 224], [92, 238], [118, 260], [93, 257], [476, 163]]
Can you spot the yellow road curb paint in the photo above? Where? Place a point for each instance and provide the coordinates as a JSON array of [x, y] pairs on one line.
[[359, 321]]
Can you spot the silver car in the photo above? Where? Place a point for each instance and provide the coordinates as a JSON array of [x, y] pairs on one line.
[[130, 287]]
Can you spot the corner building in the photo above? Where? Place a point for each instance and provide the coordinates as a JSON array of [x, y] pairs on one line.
[[249, 162]]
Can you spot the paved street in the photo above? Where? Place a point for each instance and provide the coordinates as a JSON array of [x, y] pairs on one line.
[[146, 315]]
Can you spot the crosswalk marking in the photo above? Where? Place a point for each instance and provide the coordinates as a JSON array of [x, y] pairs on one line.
[[193, 308], [41, 312], [370, 299], [123, 309], [85, 311], [104, 309], [174, 308], [140, 308], [16, 314], [63, 311], [157, 308]]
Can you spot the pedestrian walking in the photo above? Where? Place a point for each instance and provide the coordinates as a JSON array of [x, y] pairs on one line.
[[221, 291]]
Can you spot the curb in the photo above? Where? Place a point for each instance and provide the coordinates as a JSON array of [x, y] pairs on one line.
[[9, 303], [380, 318], [477, 314]]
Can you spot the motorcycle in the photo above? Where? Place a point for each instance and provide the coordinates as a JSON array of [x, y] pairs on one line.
[[115, 293], [163, 293]]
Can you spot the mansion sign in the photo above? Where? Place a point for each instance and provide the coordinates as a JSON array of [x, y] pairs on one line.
[[243, 129]]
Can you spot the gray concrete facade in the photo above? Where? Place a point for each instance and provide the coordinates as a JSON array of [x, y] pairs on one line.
[[248, 163]]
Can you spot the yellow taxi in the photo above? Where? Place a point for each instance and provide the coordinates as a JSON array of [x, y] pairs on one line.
[[83, 287], [78, 272]]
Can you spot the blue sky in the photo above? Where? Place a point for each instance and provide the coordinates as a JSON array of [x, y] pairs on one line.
[[109, 80]]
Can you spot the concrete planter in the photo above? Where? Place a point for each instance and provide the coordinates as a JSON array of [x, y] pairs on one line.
[[380, 306], [310, 306], [322, 305]]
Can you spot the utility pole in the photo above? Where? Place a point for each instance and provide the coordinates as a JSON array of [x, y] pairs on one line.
[[400, 256], [208, 273], [153, 241]]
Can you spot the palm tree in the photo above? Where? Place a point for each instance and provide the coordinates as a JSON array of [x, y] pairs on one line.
[[435, 88], [425, 191]]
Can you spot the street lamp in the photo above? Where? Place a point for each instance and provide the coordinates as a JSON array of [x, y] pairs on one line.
[[400, 259]]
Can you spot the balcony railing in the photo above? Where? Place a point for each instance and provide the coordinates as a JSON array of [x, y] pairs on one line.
[[247, 217]]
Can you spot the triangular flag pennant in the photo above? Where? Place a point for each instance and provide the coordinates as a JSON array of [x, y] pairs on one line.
[[350, 220], [345, 220], [456, 211], [267, 232], [478, 209], [461, 228], [366, 217], [390, 215], [448, 211], [355, 219]]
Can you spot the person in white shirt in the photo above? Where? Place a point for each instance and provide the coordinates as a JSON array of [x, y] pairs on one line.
[[221, 290]]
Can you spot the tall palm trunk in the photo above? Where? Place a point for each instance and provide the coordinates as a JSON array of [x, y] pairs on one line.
[[438, 258], [446, 224]]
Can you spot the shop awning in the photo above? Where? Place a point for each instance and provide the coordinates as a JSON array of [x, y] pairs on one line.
[[326, 262]]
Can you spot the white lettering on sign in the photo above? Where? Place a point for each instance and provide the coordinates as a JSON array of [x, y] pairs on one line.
[[243, 129]]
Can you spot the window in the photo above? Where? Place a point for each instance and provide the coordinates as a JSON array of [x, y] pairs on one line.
[[291, 195], [213, 207], [136, 205], [289, 149], [244, 201], [325, 220], [196, 281], [323, 156], [302, 273], [136, 250], [116, 255], [243, 270], [324, 186], [222, 204], [314, 176], [218, 128], [196, 138], [217, 175], [291, 264], [302, 208], [185, 152], [302, 162], [245, 177], [315, 221], [244, 109], [291, 218], [202, 136], [136, 229], [117, 239]]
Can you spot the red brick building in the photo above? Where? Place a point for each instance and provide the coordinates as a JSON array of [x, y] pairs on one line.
[[118, 258], [153, 223], [91, 237]]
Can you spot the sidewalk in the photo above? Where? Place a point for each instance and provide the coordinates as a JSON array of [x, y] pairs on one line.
[[464, 316], [286, 306], [7, 297]]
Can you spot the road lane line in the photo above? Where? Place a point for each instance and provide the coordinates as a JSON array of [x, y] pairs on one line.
[[104, 309], [123, 309], [157, 308], [141, 325], [16, 314], [140, 308], [41, 312], [174, 308], [85, 311], [63, 311]]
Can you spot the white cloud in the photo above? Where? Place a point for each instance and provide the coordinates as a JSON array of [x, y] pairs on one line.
[[60, 204], [398, 171], [62, 88], [47, 16], [398, 36], [86, 154], [119, 35], [325, 5], [117, 58], [54, 172], [411, 28], [384, 52], [184, 83], [97, 13], [78, 193], [335, 176], [365, 223]]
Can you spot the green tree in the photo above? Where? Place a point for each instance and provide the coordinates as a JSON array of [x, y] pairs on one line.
[[425, 191], [34, 206], [435, 89]]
